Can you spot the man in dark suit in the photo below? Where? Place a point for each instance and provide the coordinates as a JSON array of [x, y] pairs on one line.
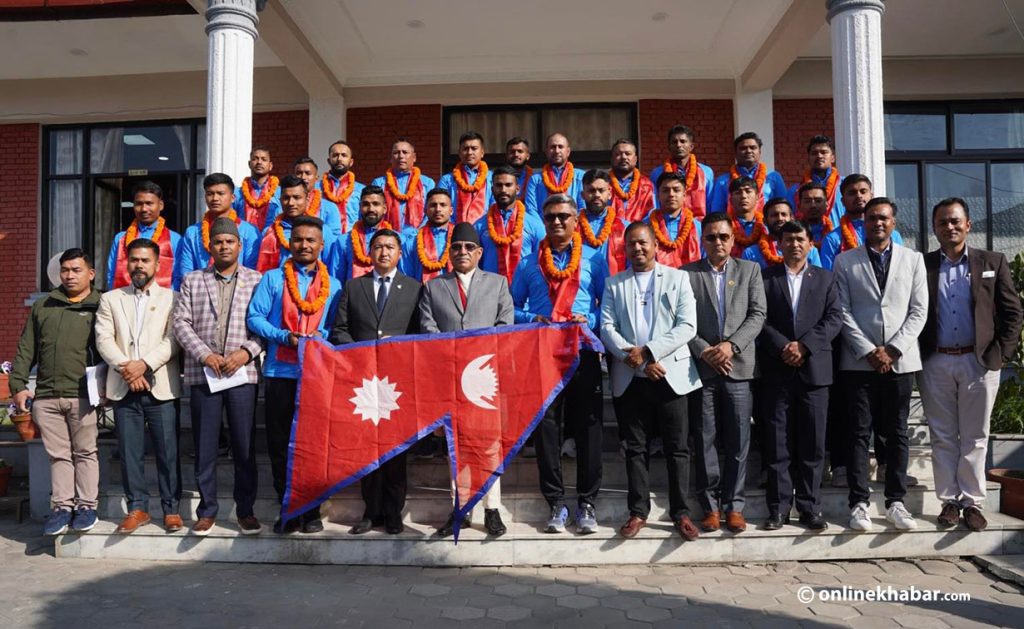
[[467, 298], [973, 328], [795, 353], [375, 306]]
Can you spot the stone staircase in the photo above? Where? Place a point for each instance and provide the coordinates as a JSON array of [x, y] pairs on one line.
[[524, 512]]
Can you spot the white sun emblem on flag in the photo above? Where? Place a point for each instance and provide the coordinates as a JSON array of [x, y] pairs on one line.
[[376, 399]]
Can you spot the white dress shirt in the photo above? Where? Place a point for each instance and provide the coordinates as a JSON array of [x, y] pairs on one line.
[[387, 285], [795, 281], [141, 301]]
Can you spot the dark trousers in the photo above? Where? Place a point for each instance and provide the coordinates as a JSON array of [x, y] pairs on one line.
[[721, 411], [579, 409], [839, 409], [650, 408], [882, 401], [132, 415], [794, 447], [280, 413], [207, 409], [384, 490]]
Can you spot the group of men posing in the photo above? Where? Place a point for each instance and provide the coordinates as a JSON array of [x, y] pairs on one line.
[[717, 299]]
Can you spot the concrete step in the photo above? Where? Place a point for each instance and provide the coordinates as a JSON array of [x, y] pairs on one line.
[[432, 505], [525, 544]]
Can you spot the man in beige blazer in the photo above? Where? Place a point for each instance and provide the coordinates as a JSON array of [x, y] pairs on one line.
[[134, 336]]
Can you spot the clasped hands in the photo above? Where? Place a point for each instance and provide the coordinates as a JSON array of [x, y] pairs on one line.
[[794, 353], [882, 358], [636, 356], [226, 365], [134, 374], [719, 357]]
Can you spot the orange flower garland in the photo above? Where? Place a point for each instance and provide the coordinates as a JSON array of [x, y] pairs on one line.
[[527, 175], [742, 240], [313, 203], [830, 185], [849, 233], [684, 229], [768, 250], [826, 229], [292, 282], [414, 180], [339, 199], [606, 229], [312, 210], [476, 186], [633, 187], [421, 251], [547, 261], [207, 222], [517, 230], [548, 175], [133, 232], [265, 196], [759, 177], [691, 169], [358, 248]]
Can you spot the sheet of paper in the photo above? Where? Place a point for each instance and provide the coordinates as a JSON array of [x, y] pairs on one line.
[[96, 383], [225, 382]]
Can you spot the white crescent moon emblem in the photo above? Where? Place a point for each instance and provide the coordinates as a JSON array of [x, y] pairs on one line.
[[480, 381]]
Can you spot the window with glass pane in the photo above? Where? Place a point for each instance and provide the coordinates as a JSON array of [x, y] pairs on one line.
[[66, 152], [1007, 190], [902, 187], [999, 130], [65, 216], [120, 149], [496, 127], [915, 132], [964, 180], [589, 129]]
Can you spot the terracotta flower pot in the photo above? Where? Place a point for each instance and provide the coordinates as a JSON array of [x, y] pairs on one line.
[[1011, 499], [5, 479], [27, 428], [5, 387]]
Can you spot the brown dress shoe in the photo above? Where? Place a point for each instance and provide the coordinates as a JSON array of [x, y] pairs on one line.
[[632, 526], [950, 515], [249, 525], [132, 521], [202, 527], [173, 523], [711, 522], [974, 519], [687, 529], [735, 522]]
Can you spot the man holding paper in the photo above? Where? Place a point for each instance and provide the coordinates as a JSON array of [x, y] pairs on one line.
[[220, 368]]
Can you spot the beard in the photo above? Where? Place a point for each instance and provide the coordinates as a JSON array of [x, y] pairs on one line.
[[372, 220], [140, 279]]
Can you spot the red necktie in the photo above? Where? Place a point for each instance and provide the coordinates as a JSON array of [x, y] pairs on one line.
[[462, 293]]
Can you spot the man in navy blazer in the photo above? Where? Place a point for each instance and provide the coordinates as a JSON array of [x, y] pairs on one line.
[[795, 353]]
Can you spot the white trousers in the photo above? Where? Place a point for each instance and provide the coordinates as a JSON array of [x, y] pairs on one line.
[[958, 394], [491, 500]]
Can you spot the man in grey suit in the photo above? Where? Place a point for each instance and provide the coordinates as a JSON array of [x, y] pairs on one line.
[[467, 298], [883, 290], [730, 313], [648, 316]]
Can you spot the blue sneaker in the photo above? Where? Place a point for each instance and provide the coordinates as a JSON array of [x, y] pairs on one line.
[[57, 522], [556, 523], [83, 520], [586, 519]]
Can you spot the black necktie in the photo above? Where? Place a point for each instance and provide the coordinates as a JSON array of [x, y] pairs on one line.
[[382, 294]]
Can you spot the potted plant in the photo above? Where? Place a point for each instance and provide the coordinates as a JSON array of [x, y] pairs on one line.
[[5, 477], [1006, 441]]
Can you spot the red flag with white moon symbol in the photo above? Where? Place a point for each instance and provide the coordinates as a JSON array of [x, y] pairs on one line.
[[359, 405]]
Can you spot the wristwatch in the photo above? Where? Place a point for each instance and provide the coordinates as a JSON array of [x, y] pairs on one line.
[[735, 348]]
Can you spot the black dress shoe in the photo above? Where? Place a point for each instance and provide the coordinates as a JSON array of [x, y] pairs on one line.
[[312, 526], [286, 527], [775, 522], [492, 522], [393, 524], [813, 521], [365, 526], [448, 529]]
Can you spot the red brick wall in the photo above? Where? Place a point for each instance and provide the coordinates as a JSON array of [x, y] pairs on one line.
[[711, 121], [19, 209], [371, 131], [285, 133], [796, 122]]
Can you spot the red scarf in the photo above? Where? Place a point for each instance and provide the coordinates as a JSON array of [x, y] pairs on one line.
[[524, 181], [358, 231], [471, 205], [508, 255], [562, 293], [256, 214], [616, 241], [413, 207], [638, 207], [680, 256], [293, 321], [696, 198], [430, 252], [163, 274]]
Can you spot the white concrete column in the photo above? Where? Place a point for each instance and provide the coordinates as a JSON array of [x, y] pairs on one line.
[[752, 111], [857, 93], [326, 125], [231, 27]]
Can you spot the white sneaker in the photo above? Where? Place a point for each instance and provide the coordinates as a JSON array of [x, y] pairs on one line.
[[839, 476], [859, 520], [898, 515]]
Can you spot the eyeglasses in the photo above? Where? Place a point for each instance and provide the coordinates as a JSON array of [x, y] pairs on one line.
[[717, 237], [563, 217], [468, 247]]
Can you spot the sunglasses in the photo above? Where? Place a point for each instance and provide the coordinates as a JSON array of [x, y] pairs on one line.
[[563, 217], [468, 247], [717, 237]]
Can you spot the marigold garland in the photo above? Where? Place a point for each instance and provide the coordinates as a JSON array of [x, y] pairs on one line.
[[414, 181], [421, 251], [494, 215], [634, 186], [476, 186], [527, 175], [548, 175], [768, 250], [311, 210], [265, 196], [358, 249], [207, 222], [292, 282], [759, 177], [830, 184], [658, 218], [826, 229], [743, 240], [606, 229], [133, 232], [313, 203], [849, 233], [332, 194], [547, 261], [691, 169]]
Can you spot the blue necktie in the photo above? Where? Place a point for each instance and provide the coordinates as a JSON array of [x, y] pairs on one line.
[[382, 294]]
